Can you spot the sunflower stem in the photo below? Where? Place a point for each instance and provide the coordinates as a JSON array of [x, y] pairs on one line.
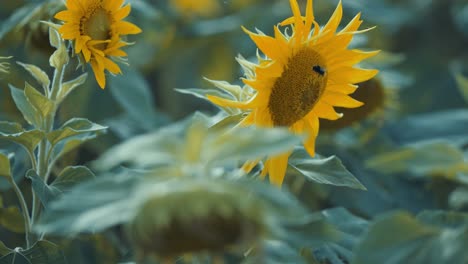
[[45, 148], [24, 210]]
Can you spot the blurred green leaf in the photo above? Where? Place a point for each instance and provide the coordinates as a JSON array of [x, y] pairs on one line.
[[424, 158], [12, 219], [30, 114], [107, 195], [16, 18], [14, 132], [202, 93], [193, 141], [5, 170], [68, 87], [323, 170], [443, 219], [46, 193], [133, 93], [44, 252], [75, 127], [15, 258], [38, 101], [4, 250], [451, 126], [459, 198], [401, 238], [462, 85], [38, 74], [351, 229]]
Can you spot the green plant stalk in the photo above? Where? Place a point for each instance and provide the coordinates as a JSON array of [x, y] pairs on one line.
[[44, 146], [24, 210]]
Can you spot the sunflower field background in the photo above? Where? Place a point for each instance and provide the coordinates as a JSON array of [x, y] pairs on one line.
[[233, 131]]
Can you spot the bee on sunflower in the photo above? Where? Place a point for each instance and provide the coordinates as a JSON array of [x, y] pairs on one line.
[[304, 75], [97, 27]]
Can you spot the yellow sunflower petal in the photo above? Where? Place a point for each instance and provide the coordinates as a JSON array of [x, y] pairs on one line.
[[112, 4], [122, 13], [111, 66], [98, 73], [298, 24], [326, 111], [351, 75], [249, 165], [227, 103], [277, 168], [334, 21], [342, 88], [268, 45], [350, 57], [338, 99], [309, 18], [312, 126], [126, 28]]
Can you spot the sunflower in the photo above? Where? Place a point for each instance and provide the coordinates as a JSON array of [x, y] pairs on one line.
[[302, 78], [96, 26], [194, 8]]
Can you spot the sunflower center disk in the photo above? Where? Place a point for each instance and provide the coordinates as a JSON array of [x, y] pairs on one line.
[[98, 25], [299, 88]]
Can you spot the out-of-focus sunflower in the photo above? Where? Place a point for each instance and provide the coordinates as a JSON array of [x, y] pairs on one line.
[[305, 75], [196, 8], [96, 26], [378, 98]]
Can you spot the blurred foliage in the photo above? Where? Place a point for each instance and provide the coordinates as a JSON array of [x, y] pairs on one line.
[[390, 184]]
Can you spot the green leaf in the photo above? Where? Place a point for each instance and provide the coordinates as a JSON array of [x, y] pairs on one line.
[[351, 228], [14, 132], [193, 140], [38, 101], [69, 86], [462, 85], [15, 258], [44, 252], [54, 38], [74, 127], [38, 74], [4, 250], [202, 93], [401, 238], [426, 158], [30, 114], [12, 219], [99, 199], [46, 193], [323, 170], [459, 198], [72, 176], [443, 219], [133, 93], [451, 126], [5, 169]]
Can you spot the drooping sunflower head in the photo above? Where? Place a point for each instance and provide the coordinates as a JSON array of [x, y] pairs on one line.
[[97, 27], [304, 75]]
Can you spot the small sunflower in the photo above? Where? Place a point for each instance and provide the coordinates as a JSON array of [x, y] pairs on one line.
[[303, 77], [96, 26]]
